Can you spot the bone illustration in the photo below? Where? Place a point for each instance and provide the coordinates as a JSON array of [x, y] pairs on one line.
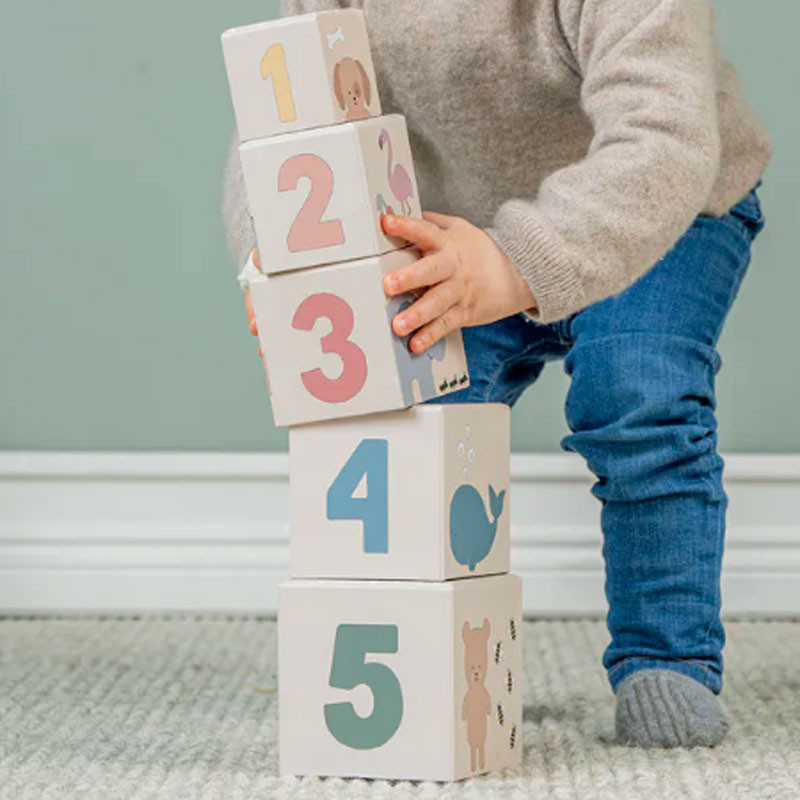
[[336, 36], [352, 88], [477, 705], [413, 366], [472, 533], [399, 179]]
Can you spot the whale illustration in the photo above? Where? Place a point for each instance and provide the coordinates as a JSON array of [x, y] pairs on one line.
[[471, 531]]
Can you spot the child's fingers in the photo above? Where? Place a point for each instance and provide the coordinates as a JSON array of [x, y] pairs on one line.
[[422, 233], [434, 303], [441, 220], [428, 271], [251, 314], [248, 305], [451, 320]]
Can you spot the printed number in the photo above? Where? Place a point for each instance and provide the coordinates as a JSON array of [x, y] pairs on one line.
[[274, 63], [354, 362], [349, 669], [308, 231], [370, 459]]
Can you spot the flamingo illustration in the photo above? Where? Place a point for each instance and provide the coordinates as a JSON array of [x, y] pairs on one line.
[[399, 179]]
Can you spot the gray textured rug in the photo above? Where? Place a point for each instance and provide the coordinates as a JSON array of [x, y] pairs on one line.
[[178, 708]]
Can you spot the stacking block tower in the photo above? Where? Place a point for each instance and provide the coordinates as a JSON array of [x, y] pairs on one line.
[[399, 630]]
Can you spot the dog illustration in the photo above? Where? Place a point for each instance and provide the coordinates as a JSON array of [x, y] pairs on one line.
[[352, 87]]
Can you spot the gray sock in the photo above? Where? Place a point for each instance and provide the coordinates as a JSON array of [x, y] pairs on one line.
[[662, 708]]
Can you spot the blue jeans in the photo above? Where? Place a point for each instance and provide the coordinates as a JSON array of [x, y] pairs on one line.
[[641, 410]]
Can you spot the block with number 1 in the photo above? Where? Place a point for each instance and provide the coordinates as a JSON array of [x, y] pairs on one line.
[[300, 72]]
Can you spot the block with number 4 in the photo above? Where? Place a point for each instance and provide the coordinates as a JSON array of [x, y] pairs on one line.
[[317, 197], [415, 494], [300, 72], [330, 349], [400, 679]]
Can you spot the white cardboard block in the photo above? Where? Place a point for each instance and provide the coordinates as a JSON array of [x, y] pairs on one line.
[[300, 72], [417, 494], [400, 679], [327, 339], [317, 197]]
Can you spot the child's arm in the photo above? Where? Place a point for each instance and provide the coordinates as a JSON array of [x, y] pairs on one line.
[[647, 69], [291, 7], [235, 211]]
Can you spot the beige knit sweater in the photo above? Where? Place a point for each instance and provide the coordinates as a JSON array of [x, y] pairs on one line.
[[583, 135]]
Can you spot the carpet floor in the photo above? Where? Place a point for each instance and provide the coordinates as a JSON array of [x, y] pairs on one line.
[[180, 708]]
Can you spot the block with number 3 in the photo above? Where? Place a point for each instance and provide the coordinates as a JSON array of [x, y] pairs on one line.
[[317, 197], [330, 349], [300, 72], [399, 679], [415, 494]]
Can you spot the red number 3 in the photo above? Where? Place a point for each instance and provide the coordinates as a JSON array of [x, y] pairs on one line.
[[354, 362]]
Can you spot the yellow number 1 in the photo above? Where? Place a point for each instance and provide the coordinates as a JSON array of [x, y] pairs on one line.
[[274, 63]]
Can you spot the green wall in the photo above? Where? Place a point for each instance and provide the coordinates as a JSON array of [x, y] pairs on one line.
[[120, 323]]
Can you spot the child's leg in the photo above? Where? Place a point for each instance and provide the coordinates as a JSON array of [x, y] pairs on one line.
[[505, 358], [641, 408]]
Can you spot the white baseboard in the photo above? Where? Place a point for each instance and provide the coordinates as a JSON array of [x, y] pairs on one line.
[[150, 532]]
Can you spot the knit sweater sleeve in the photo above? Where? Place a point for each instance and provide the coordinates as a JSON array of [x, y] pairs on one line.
[[289, 7], [235, 211], [647, 70]]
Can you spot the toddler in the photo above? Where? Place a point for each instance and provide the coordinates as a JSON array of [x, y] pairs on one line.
[[593, 165]]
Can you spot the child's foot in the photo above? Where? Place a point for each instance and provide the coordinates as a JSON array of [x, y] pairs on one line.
[[662, 708]]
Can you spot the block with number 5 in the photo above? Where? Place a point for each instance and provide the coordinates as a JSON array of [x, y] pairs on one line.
[[300, 72], [415, 494], [317, 197], [400, 679], [330, 349]]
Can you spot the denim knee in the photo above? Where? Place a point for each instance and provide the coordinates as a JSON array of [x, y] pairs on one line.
[[641, 411]]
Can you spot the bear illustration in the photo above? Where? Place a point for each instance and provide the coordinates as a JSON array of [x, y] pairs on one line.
[[477, 705]]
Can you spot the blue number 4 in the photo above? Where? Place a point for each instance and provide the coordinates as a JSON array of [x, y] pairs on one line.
[[370, 459]]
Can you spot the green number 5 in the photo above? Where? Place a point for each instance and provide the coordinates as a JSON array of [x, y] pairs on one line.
[[349, 669]]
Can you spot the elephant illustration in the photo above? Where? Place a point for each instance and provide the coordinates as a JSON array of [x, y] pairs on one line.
[[413, 366], [472, 533]]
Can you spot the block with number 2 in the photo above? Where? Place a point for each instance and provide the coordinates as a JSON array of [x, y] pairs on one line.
[[330, 350], [300, 72], [398, 679], [415, 494], [317, 197]]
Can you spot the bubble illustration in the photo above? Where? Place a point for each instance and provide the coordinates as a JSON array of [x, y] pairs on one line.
[[467, 454]]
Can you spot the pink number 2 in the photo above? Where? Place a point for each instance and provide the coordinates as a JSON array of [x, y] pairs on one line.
[[308, 231], [354, 362]]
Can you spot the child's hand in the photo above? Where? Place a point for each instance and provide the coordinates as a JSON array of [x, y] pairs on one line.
[[248, 305], [467, 279]]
